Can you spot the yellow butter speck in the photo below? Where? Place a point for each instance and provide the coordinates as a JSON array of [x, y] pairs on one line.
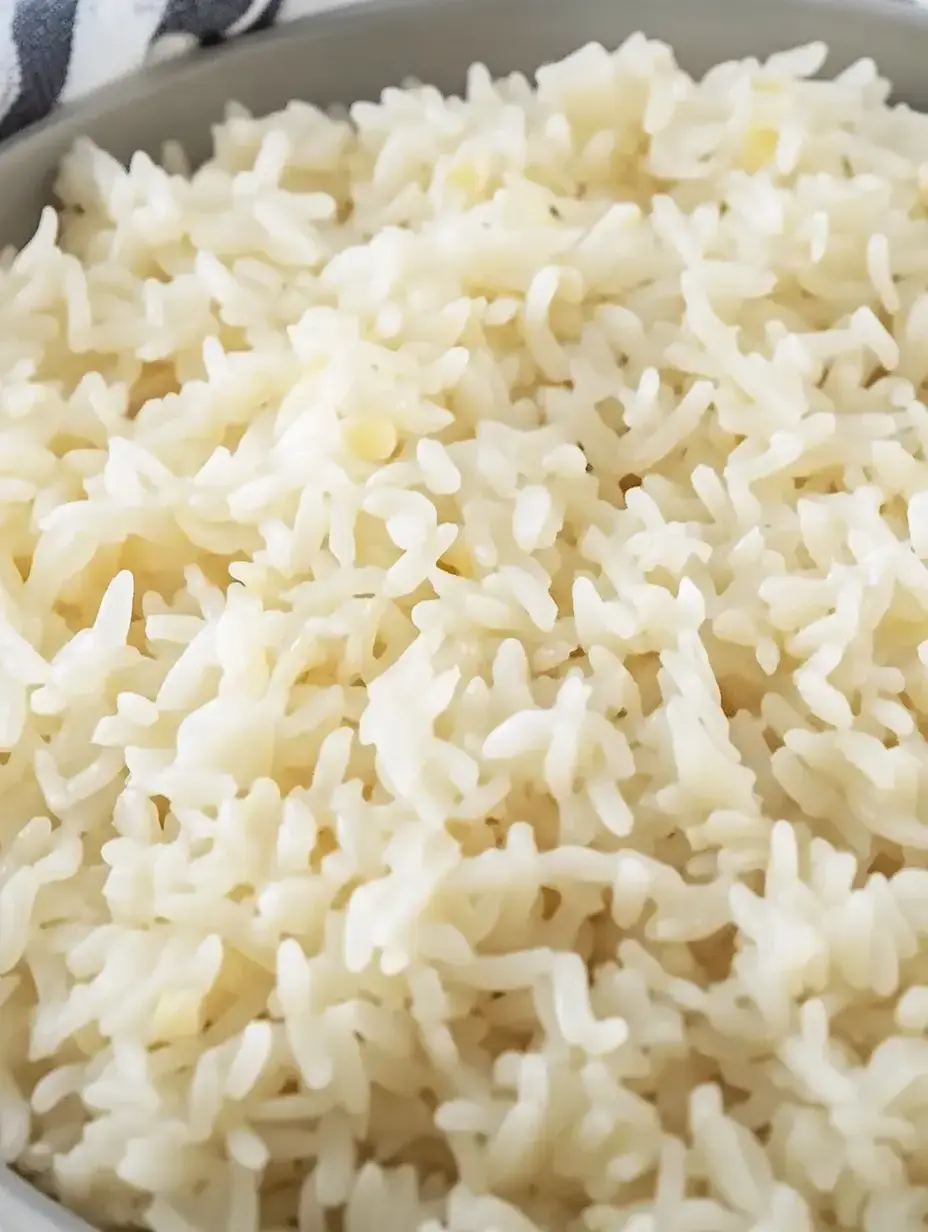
[[176, 1016], [466, 176], [373, 440], [760, 146]]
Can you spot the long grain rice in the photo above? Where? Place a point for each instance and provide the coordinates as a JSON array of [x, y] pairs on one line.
[[464, 664]]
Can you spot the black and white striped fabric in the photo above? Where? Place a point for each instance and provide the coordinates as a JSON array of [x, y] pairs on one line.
[[52, 51]]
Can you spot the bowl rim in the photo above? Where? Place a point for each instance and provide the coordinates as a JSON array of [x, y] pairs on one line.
[[335, 15], [409, 39]]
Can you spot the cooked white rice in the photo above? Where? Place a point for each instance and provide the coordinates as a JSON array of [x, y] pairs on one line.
[[464, 664]]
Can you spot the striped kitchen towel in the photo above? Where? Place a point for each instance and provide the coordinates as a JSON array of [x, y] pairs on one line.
[[52, 51]]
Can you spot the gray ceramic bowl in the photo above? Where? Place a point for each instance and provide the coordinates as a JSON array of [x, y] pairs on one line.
[[355, 50]]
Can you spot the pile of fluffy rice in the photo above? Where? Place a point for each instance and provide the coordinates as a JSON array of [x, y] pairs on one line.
[[464, 664]]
